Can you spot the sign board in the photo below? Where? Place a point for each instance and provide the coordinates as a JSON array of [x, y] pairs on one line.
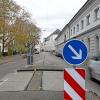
[[75, 52]]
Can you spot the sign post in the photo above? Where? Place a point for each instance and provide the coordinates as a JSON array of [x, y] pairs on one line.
[[74, 53]]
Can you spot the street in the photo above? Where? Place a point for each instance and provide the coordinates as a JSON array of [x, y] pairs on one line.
[[11, 64], [46, 83], [49, 50]]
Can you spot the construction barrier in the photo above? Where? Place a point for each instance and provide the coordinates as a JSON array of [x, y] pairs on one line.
[[74, 84]]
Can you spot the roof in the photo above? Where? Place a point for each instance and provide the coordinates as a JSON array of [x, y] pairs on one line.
[[61, 32], [83, 8], [57, 31]]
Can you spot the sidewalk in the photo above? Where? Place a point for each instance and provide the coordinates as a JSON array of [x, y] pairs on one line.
[[7, 59], [15, 81]]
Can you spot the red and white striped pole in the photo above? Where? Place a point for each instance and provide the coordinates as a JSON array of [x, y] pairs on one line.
[[74, 84]]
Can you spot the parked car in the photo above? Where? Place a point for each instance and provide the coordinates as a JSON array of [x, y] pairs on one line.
[[94, 68], [60, 52], [37, 52], [24, 55]]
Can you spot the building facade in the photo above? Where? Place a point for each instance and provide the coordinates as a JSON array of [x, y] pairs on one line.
[[85, 26], [61, 39], [49, 42]]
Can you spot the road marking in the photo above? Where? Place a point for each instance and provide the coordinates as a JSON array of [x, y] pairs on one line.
[[1, 83], [4, 81]]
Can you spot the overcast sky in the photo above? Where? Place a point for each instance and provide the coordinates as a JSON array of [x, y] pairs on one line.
[[51, 14]]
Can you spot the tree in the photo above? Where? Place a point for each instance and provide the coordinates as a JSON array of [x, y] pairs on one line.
[[8, 10], [16, 25]]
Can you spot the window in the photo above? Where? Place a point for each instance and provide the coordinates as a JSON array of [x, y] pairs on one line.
[[82, 24], [88, 20], [77, 27], [96, 12], [71, 31], [74, 30], [67, 35], [65, 38], [97, 44], [88, 44]]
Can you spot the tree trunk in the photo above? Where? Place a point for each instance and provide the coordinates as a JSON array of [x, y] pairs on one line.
[[3, 44]]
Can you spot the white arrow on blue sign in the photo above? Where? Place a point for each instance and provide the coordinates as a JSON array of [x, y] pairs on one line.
[[75, 52]]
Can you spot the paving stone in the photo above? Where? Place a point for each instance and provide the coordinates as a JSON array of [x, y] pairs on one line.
[[53, 81], [16, 81]]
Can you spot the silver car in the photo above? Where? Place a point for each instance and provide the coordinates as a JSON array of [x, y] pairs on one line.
[[94, 69]]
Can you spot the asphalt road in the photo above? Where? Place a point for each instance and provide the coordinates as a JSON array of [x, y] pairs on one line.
[[10, 65], [51, 60], [48, 61]]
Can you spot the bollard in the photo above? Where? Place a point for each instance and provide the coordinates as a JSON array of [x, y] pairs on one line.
[[30, 55], [29, 59]]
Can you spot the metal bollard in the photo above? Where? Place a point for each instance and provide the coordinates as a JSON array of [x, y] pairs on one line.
[[29, 59], [30, 55]]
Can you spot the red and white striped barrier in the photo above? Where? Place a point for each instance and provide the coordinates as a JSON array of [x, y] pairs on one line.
[[74, 84]]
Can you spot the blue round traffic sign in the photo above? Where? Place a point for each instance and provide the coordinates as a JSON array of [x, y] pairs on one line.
[[75, 52]]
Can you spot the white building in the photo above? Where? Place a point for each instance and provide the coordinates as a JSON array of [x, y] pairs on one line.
[[49, 42], [85, 25], [61, 39]]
